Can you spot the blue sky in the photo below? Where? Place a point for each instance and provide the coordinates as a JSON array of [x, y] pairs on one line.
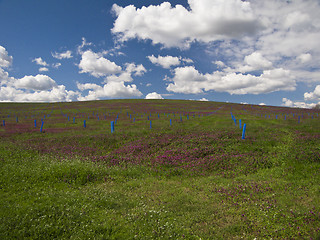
[[257, 52]]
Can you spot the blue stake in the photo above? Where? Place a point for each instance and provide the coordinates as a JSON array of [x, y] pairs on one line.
[[112, 126], [170, 122], [150, 124], [188, 117], [299, 119], [17, 119], [4, 123], [35, 123], [74, 120], [240, 123], [41, 127], [84, 124], [244, 131], [180, 119]]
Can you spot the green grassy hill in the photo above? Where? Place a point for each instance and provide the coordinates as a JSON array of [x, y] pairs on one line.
[[195, 178]]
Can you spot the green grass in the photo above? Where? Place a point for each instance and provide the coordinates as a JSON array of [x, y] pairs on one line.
[[266, 186]]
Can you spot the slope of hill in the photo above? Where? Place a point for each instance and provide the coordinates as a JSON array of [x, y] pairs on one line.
[[170, 169]]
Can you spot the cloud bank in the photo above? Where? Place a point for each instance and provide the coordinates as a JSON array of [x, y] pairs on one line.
[[113, 85], [205, 21], [39, 88], [189, 80]]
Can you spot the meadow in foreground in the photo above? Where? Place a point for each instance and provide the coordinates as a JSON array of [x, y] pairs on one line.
[[194, 179]]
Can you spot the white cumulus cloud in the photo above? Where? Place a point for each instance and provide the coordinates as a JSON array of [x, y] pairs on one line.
[[252, 62], [4, 77], [38, 82], [315, 95], [5, 59], [97, 65], [153, 95], [165, 62], [187, 80], [255, 61], [287, 102]]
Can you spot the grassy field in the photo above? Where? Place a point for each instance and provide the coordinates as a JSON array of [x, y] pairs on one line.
[[194, 179]]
